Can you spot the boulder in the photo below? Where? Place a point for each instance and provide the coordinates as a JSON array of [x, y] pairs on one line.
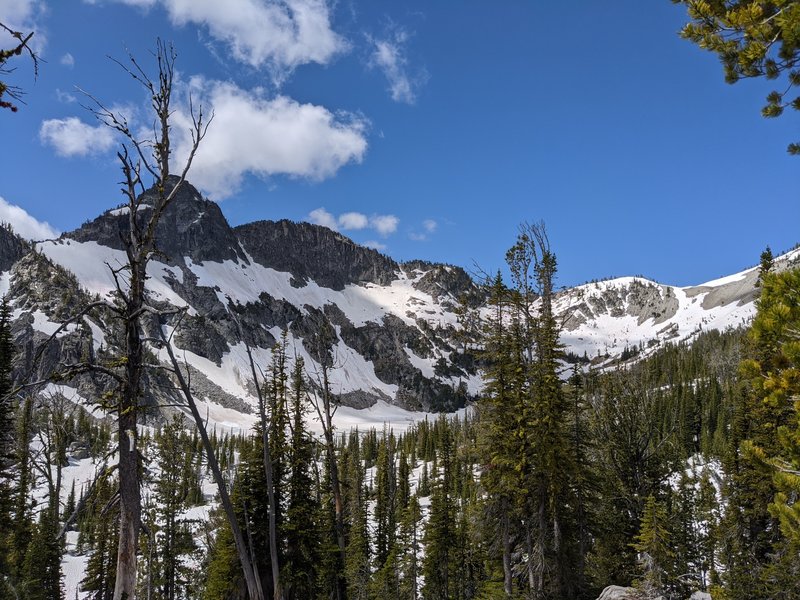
[[616, 592]]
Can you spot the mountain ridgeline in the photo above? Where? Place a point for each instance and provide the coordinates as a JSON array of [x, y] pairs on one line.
[[398, 333], [386, 330]]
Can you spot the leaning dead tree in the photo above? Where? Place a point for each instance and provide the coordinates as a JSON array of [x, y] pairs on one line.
[[243, 548]]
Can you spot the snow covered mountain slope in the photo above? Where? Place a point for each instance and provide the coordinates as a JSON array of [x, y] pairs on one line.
[[389, 331], [604, 318]]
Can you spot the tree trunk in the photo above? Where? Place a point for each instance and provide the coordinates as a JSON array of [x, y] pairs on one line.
[[130, 518], [507, 578]]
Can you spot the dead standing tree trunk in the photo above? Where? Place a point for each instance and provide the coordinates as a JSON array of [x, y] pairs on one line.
[[138, 157]]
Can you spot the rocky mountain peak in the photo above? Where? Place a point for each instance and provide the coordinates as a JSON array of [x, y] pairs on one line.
[[191, 226]]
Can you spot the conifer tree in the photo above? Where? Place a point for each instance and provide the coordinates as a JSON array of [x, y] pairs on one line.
[[302, 529], [41, 572], [752, 538], [103, 516], [410, 544], [753, 39], [7, 452], [173, 538], [437, 566], [357, 566], [653, 547]]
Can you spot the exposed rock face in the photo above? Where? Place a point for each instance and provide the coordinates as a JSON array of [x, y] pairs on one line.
[[441, 280], [640, 299], [311, 252], [12, 248], [190, 227], [228, 280]]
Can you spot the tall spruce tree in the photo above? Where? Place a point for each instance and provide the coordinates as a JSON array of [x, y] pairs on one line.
[[302, 519], [8, 459]]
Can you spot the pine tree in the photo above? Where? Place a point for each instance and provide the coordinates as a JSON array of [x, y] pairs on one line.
[[41, 572], [752, 38], [410, 544], [708, 511], [653, 546], [103, 517], [752, 526], [437, 566], [766, 264], [224, 575], [501, 428], [302, 529], [172, 536], [357, 566], [7, 454]]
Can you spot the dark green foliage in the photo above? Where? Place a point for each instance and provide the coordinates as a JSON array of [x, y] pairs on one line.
[[654, 549], [169, 538], [303, 546], [100, 526], [41, 571], [753, 39]]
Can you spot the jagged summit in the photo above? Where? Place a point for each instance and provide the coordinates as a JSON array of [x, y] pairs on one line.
[[192, 227]]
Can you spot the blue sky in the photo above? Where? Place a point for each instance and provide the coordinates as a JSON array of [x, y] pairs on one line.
[[427, 129]]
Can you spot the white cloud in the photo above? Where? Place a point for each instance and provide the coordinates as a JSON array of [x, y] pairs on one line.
[[320, 216], [430, 225], [146, 4], [353, 220], [68, 60], [389, 56], [276, 34], [384, 224], [24, 224], [22, 15], [375, 245], [264, 136], [73, 137]]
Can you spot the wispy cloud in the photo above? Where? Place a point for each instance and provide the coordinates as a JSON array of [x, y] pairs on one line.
[[24, 224], [429, 227], [382, 224], [375, 245], [279, 35], [67, 60], [65, 97], [389, 55]]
